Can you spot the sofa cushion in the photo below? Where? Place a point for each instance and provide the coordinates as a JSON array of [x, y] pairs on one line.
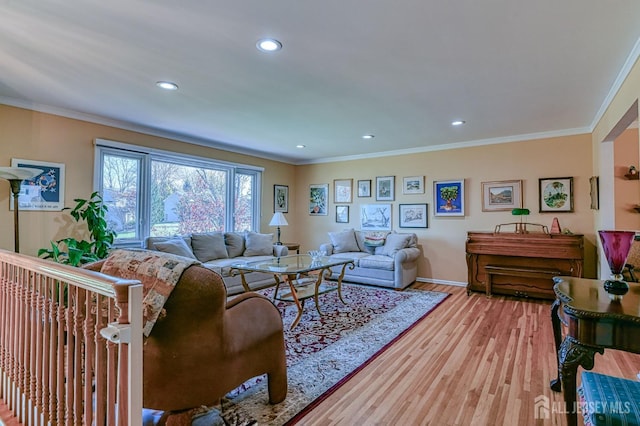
[[175, 246], [413, 240], [209, 246], [258, 244], [150, 242], [360, 240], [375, 239], [235, 243], [355, 255], [377, 262], [344, 241], [393, 243]]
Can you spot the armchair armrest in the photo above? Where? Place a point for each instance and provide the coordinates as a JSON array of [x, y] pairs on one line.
[[327, 247], [280, 250]]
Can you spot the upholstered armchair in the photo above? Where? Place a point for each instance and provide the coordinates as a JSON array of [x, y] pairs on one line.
[[202, 347]]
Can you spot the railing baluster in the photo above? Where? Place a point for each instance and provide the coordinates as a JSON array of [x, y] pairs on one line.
[[55, 367]]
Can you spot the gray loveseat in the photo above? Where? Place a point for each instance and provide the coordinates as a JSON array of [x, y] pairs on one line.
[[219, 250], [393, 263]]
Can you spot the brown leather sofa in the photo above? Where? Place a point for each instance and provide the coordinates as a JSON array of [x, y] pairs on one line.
[[205, 347]]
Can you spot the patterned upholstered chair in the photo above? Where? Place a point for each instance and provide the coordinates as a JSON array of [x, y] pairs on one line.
[[202, 346], [610, 400]]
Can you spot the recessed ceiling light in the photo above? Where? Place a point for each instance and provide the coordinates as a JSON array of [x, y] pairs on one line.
[[368, 136], [300, 146], [457, 123], [269, 45], [167, 85]]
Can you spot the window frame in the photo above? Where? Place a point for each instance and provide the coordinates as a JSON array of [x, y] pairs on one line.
[[147, 156]]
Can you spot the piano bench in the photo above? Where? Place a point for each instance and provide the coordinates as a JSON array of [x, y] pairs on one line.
[[517, 271]]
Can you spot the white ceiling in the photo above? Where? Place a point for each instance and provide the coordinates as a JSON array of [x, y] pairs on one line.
[[402, 70]]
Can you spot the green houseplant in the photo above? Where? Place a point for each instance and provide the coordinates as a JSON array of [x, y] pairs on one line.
[[77, 252]]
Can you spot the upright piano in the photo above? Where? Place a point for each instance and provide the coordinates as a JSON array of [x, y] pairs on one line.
[[521, 264]]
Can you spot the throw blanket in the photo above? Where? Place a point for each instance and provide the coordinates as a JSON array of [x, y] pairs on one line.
[[158, 272]]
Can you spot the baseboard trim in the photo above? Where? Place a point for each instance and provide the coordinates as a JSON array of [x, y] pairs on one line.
[[445, 282]]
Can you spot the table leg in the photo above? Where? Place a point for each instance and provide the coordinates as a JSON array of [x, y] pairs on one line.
[[341, 276], [571, 355], [244, 282], [315, 294], [290, 280], [556, 384]]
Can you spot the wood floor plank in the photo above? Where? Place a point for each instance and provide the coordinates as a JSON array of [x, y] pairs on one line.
[[473, 361]]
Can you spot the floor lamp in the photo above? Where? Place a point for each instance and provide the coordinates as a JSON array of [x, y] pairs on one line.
[[15, 176]]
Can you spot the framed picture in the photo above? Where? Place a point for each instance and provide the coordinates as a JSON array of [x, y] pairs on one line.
[[319, 199], [448, 197], [375, 217], [342, 190], [594, 182], [501, 195], [342, 214], [556, 195], [413, 215], [364, 188], [43, 192], [385, 188], [413, 185], [281, 198]]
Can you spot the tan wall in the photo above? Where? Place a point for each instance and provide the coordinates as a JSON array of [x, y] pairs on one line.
[[44, 137], [627, 192], [444, 241]]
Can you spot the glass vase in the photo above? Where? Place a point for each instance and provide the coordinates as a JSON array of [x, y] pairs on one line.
[[616, 246]]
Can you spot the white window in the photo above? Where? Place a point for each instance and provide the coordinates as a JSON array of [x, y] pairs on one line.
[[158, 193]]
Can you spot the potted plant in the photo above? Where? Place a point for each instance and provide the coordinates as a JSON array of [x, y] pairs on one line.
[[77, 252]]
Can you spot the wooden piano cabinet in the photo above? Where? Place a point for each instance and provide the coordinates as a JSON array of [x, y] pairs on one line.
[[521, 264]]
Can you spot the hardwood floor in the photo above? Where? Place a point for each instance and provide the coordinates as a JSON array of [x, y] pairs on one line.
[[473, 361]]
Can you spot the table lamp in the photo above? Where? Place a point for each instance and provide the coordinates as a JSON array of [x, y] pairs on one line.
[[15, 176], [278, 220]]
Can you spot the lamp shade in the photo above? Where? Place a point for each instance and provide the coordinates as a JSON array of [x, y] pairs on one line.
[[278, 219], [18, 173]]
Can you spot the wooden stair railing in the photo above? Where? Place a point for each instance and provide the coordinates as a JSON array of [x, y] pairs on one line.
[[70, 345]]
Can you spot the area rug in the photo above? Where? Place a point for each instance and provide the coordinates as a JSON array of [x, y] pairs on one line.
[[325, 351]]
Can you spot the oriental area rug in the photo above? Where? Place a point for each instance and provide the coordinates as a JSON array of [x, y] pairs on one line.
[[323, 352]]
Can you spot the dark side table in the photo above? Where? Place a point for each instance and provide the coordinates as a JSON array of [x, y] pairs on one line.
[[293, 246], [593, 322]]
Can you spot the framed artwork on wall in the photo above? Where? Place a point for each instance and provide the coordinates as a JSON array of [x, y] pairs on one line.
[[594, 183], [385, 188], [342, 214], [501, 195], [342, 190], [556, 195], [375, 217], [413, 185], [448, 197], [281, 198], [319, 199], [43, 192], [364, 188], [413, 216]]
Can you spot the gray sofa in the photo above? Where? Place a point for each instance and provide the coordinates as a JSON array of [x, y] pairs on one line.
[[219, 250], [392, 263]]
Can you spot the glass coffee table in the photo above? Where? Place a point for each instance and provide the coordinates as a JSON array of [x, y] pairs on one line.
[[303, 274]]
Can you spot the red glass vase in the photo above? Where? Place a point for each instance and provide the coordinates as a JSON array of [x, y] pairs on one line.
[[616, 246]]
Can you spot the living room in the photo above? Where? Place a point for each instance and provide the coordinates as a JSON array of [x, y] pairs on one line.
[[606, 148]]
